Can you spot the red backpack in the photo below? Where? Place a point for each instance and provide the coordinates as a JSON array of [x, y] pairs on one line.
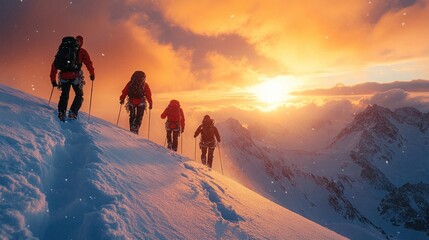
[[207, 131], [173, 115]]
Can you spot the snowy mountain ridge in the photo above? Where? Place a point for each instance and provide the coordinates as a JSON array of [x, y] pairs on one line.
[[374, 175], [93, 180]]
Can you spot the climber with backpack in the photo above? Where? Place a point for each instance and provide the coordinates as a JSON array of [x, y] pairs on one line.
[[207, 141], [138, 92], [175, 124], [68, 60]]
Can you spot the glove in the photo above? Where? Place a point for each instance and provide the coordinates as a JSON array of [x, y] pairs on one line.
[[183, 129], [121, 101], [92, 77], [54, 83], [150, 106], [195, 135]]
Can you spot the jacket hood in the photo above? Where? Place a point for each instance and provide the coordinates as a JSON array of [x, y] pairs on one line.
[[80, 38], [207, 120], [174, 102]]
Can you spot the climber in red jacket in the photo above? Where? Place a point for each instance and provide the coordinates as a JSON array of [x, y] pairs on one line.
[[75, 79]]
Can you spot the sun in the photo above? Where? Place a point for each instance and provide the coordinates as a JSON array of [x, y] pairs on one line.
[[273, 92]]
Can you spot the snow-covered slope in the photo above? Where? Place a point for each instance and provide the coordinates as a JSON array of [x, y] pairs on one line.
[[92, 180], [371, 181]]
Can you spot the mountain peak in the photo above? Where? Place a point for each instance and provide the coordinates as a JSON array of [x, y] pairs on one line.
[[233, 122], [375, 119], [374, 113], [240, 133]]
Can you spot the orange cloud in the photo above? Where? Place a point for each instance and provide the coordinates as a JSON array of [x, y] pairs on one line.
[[230, 72], [199, 46], [167, 69], [313, 36]]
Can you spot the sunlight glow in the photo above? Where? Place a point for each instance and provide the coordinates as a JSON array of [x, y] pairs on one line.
[[274, 92]]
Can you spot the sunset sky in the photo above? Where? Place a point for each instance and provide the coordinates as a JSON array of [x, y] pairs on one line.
[[208, 54]]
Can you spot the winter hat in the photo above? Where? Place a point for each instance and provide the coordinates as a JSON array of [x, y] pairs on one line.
[[206, 117], [80, 39]]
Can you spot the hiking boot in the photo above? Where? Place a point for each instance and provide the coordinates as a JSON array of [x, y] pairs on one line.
[[72, 115], [62, 116], [134, 129], [169, 146]]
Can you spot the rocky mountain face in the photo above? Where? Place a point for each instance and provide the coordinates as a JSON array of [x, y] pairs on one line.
[[407, 206], [374, 175]]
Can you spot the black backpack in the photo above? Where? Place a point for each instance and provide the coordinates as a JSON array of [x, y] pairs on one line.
[[66, 58], [207, 131], [136, 90]]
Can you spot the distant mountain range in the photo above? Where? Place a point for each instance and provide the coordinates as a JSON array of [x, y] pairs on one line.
[[372, 179], [418, 85]]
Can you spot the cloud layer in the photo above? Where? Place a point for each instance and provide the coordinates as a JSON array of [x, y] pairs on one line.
[[212, 47]]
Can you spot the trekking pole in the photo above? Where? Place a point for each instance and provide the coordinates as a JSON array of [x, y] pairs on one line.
[[52, 91], [220, 158], [181, 144], [148, 127], [90, 100], [120, 108], [195, 150]]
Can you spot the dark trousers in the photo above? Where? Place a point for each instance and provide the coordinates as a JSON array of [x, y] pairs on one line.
[[136, 116], [64, 98], [209, 152], [173, 139]]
